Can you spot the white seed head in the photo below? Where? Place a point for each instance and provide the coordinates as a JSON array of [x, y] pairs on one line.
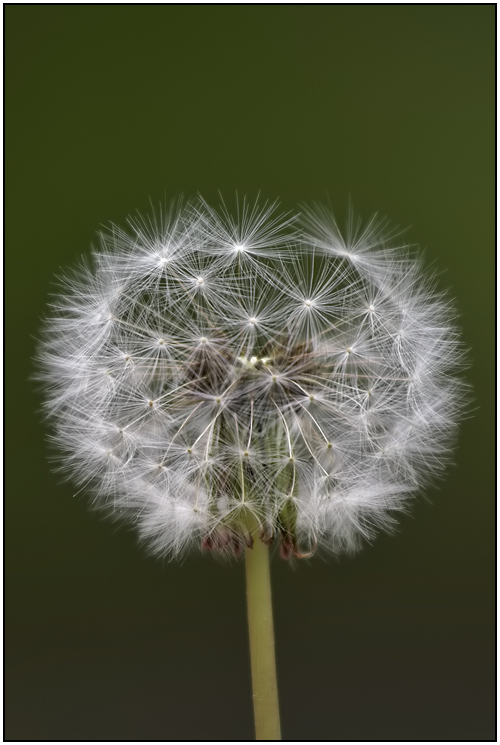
[[310, 382]]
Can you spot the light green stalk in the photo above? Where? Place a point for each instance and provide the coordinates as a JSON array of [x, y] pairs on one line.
[[261, 632]]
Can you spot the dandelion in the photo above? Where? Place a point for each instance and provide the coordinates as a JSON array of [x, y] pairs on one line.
[[229, 382]]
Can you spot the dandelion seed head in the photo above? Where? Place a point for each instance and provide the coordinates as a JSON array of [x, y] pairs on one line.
[[211, 366]]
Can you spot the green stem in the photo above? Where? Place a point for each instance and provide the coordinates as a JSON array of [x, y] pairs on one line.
[[260, 626]]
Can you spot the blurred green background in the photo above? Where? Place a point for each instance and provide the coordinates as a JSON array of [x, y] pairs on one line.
[[109, 106]]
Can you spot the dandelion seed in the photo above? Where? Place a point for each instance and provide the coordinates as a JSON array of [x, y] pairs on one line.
[[276, 364]]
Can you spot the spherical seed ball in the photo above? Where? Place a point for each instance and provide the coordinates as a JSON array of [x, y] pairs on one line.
[[208, 368]]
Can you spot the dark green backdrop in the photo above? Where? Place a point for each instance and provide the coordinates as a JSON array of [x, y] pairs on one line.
[[108, 106]]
